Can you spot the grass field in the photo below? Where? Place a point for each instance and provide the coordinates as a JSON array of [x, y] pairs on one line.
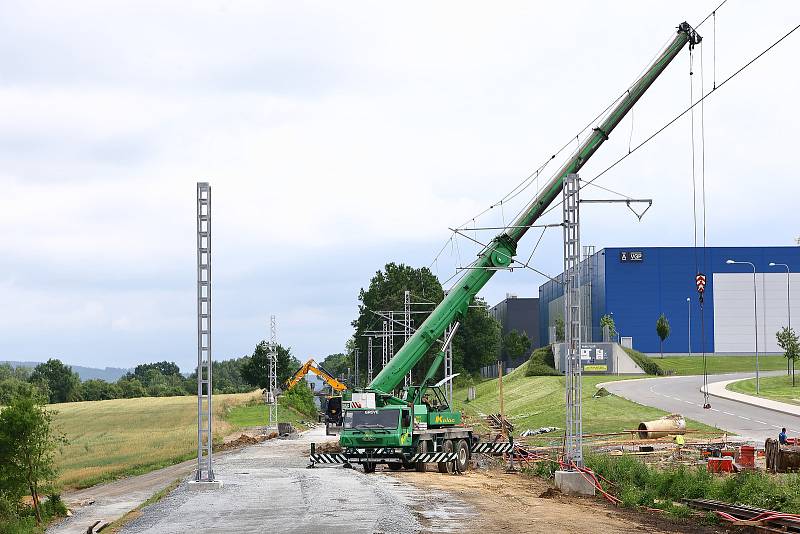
[[777, 388], [537, 401], [112, 438], [718, 364], [249, 415]]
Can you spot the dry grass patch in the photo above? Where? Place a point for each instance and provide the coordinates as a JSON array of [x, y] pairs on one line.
[[113, 438]]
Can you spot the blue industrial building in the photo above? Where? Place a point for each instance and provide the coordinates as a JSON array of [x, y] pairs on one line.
[[636, 285]]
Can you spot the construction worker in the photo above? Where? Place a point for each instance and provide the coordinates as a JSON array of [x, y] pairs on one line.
[[426, 400], [679, 443], [782, 437]]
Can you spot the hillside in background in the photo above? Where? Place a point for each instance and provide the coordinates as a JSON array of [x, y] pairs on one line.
[[109, 374]]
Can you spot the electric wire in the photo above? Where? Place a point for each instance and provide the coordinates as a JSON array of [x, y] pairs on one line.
[[684, 112]]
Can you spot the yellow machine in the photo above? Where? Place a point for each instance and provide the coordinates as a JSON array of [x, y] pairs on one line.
[[312, 367]]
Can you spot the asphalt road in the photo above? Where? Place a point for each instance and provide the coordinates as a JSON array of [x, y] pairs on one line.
[[267, 488], [681, 394]]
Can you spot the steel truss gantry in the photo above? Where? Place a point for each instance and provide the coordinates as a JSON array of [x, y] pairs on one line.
[[205, 466], [573, 447]]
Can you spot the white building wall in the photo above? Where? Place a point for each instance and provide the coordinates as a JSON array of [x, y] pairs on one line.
[[734, 323]]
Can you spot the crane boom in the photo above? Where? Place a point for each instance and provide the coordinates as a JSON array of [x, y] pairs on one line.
[[499, 253]]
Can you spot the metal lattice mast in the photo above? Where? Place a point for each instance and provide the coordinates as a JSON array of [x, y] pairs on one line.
[[586, 294], [272, 357], [369, 359], [407, 326], [205, 467], [355, 365], [448, 365], [573, 452], [390, 352], [385, 344]]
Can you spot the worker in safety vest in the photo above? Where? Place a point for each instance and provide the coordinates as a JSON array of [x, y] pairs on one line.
[[679, 443]]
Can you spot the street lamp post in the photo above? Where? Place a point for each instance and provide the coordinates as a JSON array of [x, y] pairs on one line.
[[689, 308], [788, 298], [755, 313]]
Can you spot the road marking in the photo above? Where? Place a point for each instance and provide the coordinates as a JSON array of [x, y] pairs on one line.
[[759, 422], [728, 413], [743, 417]]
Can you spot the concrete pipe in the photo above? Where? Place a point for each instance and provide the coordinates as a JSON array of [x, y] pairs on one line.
[[667, 425]]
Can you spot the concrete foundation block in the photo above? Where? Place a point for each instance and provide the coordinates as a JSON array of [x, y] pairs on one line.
[[204, 485], [574, 483]]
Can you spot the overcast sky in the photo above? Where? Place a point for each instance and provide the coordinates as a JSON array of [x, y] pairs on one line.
[[339, 136]]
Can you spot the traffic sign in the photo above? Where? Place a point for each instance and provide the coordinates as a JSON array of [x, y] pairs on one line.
[[700, 280]]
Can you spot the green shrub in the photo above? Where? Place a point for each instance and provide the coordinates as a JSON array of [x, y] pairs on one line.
[[54, 506], [647, 364], [637, 484], [545, 469], [301, 399], [18, 525], [541, 363]]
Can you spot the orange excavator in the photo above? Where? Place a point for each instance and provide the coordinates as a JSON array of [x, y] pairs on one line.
[[333, 403], [313, 367]]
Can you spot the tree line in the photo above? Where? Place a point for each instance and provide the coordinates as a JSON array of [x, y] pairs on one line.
[[57, 382], [477, 343]]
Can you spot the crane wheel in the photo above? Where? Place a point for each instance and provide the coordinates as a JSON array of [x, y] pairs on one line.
[[369, 467], [446, 467], [462, 459], [395, 466], [422, 448]]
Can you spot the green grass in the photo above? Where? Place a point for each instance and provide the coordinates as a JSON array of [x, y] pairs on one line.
[[250, 415], [121, 437], [638, 484], [537, 401], [777, 388], [718, 364]]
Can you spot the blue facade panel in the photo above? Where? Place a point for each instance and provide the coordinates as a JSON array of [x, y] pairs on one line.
[[637, 292]]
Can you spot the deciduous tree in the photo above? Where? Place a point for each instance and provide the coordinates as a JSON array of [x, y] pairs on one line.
[[62, 382], [662, 329], [787, 340], [28, 444]]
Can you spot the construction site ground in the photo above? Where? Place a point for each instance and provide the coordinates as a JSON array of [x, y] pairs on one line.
[[267, 488]]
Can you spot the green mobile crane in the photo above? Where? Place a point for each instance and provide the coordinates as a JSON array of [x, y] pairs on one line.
[[407, 429]]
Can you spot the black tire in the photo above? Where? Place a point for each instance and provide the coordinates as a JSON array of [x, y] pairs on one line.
[[446, 467], [395, 466], [421, 448], [462, 450], [369, 467]]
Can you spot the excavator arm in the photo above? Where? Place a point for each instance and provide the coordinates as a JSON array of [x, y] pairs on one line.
[[311, 367], [499, 253]]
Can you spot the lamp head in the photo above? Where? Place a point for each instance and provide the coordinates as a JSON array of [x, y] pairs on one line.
[[772, 264], [730, 262]]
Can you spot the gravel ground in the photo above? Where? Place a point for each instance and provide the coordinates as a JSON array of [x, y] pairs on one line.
[[267, 488]]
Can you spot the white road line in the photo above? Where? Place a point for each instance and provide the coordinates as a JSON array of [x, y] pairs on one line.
[[759, 422], [728, 413], [743, 417]]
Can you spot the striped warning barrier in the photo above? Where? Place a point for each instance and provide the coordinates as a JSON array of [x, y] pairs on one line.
[[492, 448], [321, 458], [434, 457]]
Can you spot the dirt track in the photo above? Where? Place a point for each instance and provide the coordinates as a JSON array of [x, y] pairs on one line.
[[516, 503]]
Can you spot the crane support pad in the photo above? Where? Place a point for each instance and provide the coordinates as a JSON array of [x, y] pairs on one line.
[[434, 457], [321, 458], [492, 448]]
